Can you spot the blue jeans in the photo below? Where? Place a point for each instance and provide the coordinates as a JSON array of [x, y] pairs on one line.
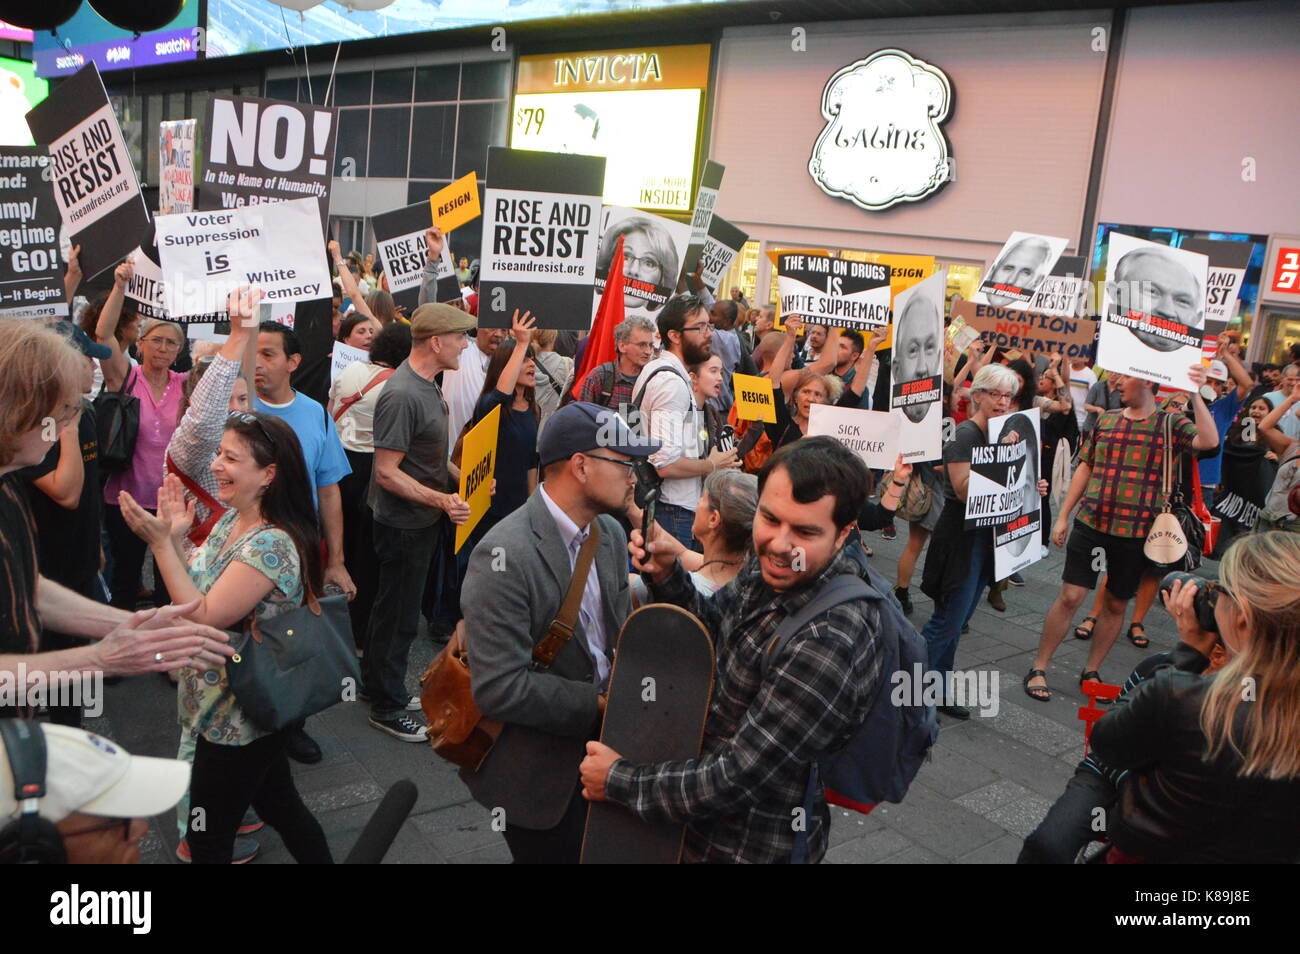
[[403, 558], [677, 521], [953, 611]]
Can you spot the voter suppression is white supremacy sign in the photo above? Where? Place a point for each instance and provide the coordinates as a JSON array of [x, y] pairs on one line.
[[872, 435], [276, 247], [148, 291], [837, 292]]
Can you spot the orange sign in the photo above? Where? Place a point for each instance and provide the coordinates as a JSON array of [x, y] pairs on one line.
[[456, 204]]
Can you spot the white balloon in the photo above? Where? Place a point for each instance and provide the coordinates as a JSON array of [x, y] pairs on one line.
[[298, 5], [364, 4]]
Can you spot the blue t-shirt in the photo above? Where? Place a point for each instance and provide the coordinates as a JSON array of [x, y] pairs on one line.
[[321, 448], [1224, 411]]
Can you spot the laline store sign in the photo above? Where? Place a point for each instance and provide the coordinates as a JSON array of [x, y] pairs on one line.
[[882, 143]]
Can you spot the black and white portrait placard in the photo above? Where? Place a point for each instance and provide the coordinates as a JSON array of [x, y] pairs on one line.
[[916, 383]]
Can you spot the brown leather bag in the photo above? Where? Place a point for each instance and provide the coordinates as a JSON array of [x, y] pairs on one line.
[[457, 730]]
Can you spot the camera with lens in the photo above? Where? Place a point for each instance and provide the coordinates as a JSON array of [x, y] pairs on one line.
[[1207, 595]]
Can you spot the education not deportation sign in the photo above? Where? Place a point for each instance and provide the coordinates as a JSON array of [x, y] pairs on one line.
[[207, 254], [94, 182], [399, 240], [836, 292], [541, 229], [263, 150], [1033, 332], [31, 271]]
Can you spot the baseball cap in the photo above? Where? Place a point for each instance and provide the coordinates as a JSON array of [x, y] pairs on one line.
[[88, 773], [580, 426], [81, 341], [440, 319]]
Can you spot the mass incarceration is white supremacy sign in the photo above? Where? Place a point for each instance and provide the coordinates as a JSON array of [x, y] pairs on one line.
[[837, 292], [276, 247]]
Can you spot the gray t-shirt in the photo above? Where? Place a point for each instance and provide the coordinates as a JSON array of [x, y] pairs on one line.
[[957, 451], [411, 417], [1102, 395]]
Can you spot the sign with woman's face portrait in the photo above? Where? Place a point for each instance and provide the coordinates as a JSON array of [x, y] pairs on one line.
[[653, 250]]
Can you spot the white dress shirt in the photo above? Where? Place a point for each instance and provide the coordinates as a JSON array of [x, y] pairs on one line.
[[461, 389], [674, 421], [590, 614]]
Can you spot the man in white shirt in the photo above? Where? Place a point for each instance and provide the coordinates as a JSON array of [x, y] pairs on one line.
[[461, 388], [663, 395], [1082, 377]]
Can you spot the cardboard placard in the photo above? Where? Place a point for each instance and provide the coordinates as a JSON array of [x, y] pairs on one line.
[[1065, 291], [541, 232], [916, 372], [31, 269], [754, 398], [1026, 259], [94, 182], [1228, 263], [872, 435], [262, 150], [706, 198], [344, 355], [653, 248], [835, 292], [147, 290], [456, 204], [477, 465], [399, 242], [1003, 490], [176, 141], [1152, 325], [1029, 331], [723, 244], [205, 255]]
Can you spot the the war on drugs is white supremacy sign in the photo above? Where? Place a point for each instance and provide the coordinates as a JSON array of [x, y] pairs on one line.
[[836, 292], [541, 229], [31, 270], [94, 182], [276, 247]]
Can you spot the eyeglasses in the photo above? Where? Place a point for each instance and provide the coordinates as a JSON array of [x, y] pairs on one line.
[[165, 343], [248, 417], [999, 395], [123, 823], [644, 263], [642, 345], [629, 464], [700, 327]]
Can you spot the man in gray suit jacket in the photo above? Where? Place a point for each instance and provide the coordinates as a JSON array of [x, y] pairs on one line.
[[517, 578]]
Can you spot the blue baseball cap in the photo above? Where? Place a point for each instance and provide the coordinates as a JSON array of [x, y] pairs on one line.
[[580, 427], [81, 340]]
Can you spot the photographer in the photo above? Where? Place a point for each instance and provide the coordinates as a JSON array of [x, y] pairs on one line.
[[1215, 762]]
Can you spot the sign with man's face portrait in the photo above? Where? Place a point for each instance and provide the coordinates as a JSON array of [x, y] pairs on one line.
[[1153, 318], [653, 248], [916, 372], [1019, 269]]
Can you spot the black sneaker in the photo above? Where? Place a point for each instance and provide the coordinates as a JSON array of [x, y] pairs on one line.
[[301, 747], [889, 532], [904, 599], [957, 712], [402, 727]]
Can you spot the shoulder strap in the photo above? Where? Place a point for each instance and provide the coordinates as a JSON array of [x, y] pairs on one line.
[[379, 378], [844, 588], [199, 532], [1167, 470], [561, 628], [640, 395]]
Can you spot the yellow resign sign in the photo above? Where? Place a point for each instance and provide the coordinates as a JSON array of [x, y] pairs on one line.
[[754, 399], [456, 204], [478, 461]]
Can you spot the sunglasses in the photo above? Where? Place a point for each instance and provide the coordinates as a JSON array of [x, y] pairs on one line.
[[248, 417]]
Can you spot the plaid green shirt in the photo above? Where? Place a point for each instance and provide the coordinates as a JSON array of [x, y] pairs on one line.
[[1127, 458]]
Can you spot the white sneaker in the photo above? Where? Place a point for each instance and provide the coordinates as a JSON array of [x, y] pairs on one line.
[[414, 704]]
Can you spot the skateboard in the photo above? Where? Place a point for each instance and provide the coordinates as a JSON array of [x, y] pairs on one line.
[[659, 692]]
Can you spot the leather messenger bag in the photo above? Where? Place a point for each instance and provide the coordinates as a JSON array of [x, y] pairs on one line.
[[457, 730]]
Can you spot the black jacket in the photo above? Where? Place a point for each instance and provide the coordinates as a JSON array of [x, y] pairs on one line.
[[1175, 807]]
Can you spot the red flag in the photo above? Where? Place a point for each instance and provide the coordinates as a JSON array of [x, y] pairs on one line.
[[600, 343]]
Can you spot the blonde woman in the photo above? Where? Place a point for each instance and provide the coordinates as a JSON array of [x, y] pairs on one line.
[[1215, 761]]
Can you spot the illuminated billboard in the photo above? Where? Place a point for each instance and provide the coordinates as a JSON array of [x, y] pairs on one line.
[[88, 36], [639, 108], [10, 32], [20, 90]]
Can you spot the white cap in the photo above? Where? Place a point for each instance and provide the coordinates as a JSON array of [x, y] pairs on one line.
[[88, 773]]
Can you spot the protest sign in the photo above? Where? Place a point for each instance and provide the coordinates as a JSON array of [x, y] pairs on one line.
[[916, 373], [344, 355], [1003, 490], [477, 465], [721, 248], [1020, 267], [754, 398], [399, 241], [261, 150], [1033, 332], [541, 224], [872, 435], [653, 248], [31, 271], [961, 334], [1064, 292], [146, 290], [456, 204], [1153, 320], [176, 166], [94, 182], [275, 247], [705, 200], [835, 292], [1228, 262]]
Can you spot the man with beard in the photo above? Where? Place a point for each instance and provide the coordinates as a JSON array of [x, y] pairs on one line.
[[667, 413], [1156, 285], [1024, 266], [918, 349]]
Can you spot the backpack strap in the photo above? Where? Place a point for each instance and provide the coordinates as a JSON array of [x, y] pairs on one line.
[[844, 588]]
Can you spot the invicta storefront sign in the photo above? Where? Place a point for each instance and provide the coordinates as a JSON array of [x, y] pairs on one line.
[[882, 143]]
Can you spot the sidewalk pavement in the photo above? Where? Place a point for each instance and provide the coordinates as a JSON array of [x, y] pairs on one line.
[[987, 785]]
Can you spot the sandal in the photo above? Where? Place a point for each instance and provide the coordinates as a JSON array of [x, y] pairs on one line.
[[1089, 674], [1039, 693], [1141, 642], [1080, 632]]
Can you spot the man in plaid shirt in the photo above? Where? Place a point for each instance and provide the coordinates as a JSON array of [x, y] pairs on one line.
[[739, 798], [1118, 488]]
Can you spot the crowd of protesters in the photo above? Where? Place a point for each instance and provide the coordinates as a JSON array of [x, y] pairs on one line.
[[242, 498]]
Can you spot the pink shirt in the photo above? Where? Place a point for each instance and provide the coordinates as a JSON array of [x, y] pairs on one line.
[[157, 421]]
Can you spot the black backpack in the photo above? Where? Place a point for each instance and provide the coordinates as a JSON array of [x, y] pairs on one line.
[[117, 424]]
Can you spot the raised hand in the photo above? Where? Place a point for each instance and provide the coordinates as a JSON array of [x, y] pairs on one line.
[[173, 508], [124, 273], [433, 241], [242, 305], [521, 329]]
